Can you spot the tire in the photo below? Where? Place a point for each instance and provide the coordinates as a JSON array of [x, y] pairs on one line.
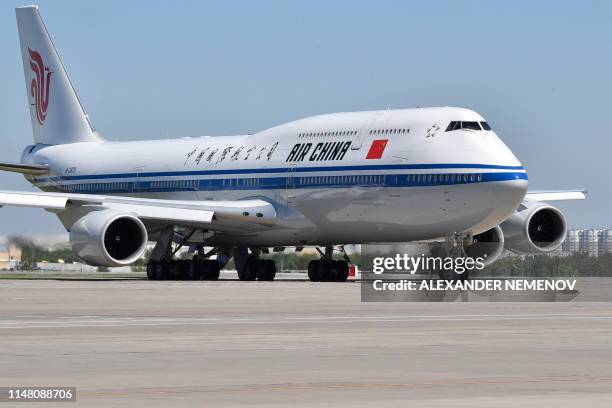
[[153, 270], [174, 269], [212, 274], [249, 271], [266, 270], [341, 269], [162, 270], [326, 272], [189, 270], [207, 269], [313, 271]]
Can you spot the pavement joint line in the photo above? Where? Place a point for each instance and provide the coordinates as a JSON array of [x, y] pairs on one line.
[[188, 321]]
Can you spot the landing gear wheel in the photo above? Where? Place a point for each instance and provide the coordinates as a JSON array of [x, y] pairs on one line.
[[266, 270], [322, 270], [313, 271], [249, 270], [212, 272], [341, 270], [186, 270], [154, 270], [160, 270], [326, 273], [207, 269], [172, 270]]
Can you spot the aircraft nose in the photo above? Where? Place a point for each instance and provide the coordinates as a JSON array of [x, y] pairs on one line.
[[507, 180]]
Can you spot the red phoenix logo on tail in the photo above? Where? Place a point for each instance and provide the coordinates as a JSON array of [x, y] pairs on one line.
[[40, 85]]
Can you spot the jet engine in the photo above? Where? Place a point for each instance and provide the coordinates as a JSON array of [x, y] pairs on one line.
[[108, 238], [534, 228], [488, 245]]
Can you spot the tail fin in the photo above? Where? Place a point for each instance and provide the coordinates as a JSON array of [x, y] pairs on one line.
[[55, 109]]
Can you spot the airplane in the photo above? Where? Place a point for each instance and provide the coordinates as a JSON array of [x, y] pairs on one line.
[[324, 181]]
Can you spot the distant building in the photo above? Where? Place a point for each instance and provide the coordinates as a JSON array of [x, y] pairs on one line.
[[592, 242], [605, 242], [572, 241], [10, 256], [588, 242]]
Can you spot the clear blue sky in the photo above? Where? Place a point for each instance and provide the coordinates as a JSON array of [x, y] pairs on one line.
[[539, 71]]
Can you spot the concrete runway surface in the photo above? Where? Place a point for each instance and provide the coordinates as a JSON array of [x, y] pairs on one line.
[[296, 343]]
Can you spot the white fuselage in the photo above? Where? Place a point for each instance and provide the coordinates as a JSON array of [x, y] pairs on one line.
[[378, 176]]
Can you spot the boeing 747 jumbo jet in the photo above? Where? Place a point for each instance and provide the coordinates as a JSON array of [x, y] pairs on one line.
[[340, 178]]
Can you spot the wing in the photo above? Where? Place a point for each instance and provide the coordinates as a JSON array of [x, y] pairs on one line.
[[556, 195], [239, 215]]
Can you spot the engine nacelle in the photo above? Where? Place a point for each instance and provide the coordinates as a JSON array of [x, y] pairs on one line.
[[534, 228], [488, 245], [108, 238]]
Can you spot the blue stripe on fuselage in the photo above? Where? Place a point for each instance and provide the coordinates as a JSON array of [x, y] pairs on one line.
[[294, 182], [284, 170]]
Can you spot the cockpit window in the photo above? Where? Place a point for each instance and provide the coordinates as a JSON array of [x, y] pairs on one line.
[[470, 125], [485, 126], [456, 125]]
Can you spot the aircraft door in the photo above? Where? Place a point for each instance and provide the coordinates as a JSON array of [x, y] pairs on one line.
[[362, 133], [135, 187], [290, 184]]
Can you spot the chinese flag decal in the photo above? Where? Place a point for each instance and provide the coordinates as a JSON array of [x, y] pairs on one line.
[[377, 149]]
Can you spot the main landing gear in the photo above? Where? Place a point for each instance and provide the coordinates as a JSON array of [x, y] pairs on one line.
[[327, 269], [183, 269], [250, 267], [162, 266]]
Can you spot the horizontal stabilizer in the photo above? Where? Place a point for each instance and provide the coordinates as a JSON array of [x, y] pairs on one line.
[[32, 169], [48, 202]]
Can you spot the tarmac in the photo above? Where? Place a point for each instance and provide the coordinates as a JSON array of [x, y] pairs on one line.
[[296, 343]]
